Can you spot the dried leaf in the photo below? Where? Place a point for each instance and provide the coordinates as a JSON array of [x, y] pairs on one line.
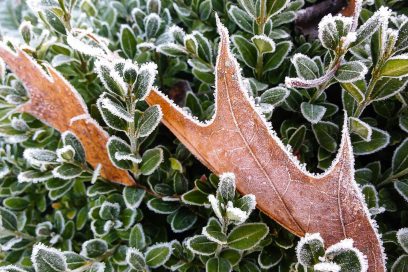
[[55, 102], [239, 140]]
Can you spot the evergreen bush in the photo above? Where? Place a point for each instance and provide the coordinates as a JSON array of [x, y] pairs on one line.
[[58, 214]]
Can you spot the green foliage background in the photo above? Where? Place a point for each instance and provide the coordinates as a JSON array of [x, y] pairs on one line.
[[56, 199]]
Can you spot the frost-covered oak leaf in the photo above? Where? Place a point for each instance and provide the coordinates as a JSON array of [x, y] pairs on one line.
[[239, 140], [55, 102]]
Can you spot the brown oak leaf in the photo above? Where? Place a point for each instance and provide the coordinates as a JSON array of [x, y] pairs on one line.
[[55, 102], [239, 140]]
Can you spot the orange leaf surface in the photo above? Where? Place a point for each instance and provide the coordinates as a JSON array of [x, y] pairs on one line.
[[55, 102], [239, 140]]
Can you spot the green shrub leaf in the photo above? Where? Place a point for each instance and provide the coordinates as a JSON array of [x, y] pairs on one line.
[[217, 264], [246, 236], [158, 254]]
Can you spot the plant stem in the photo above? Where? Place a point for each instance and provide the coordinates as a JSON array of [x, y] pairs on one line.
[[320, 89], [393, 178], [259, 66], [367, 101], [261, 20]]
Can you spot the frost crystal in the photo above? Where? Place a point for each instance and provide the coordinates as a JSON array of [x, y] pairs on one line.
[[38, 157], [2, 69], [34, 5], [44, 257], [77, 44], [349, 39], [177, 32], [305, 240], [402, 237], [121, 156], [61, 151], [215, 205], [12, 268], [145, 79], [116, 109], [96, 173], [30, 176], [236, 215], [10, 243], [4, 171], [327, 267], [347, 244], [227, 186]]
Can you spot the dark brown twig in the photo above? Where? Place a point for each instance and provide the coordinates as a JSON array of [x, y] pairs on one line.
[[307, 19]]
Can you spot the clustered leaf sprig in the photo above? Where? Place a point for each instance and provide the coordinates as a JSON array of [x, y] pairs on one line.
[[262, 22], [106, 20], [342, 256], [126, 84], [227, 242]]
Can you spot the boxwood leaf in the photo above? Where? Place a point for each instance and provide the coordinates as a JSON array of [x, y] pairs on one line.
[[172, 50], [247, 236], [217, 264], [249, 7], [270, 257], [195, 197], [67, 171], [400, 263], [246, 50], [370, 195], [133, 197], [305, 67], [356, 89], [379, 140], [297, 138], [361, 128], [324, 132], [275, 59], [274, 7], [351, 71], [205, 9], [402, 188], [8, 219], [183, 219], [137, 237], [274, 96], [240, 18], [94, 248], [152, 25], [158, 254], [263, 44], [145, 79], [110, 119], [74, 260], [309, 249], [151, 159], [346, 256], [402, 237], [16, 203], [135, 259], [312, 112], [149, 120], [69, 138], [48, 259], [396, 66], [400, 158], [200, 245], [128, 41], [213, 232], [114, 145], [55, 22], [162, 207]]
